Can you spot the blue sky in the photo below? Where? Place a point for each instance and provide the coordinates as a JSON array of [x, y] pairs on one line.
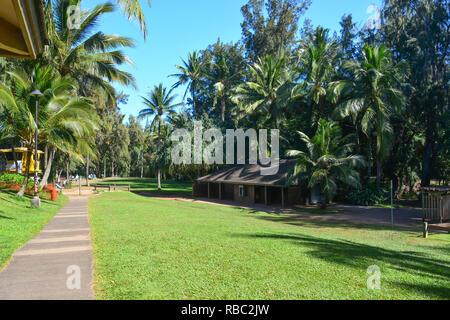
[[177, 27]]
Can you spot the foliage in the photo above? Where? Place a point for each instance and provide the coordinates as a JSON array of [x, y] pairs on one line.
[[191, 74], [268, 95], [372, 96], [369, 195], [159, 104], [417, 31], [386, 88], [14, 179], [270, 27], [327, 161]]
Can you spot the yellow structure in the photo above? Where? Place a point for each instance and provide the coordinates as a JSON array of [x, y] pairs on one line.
[[22, 28], [7, 164]]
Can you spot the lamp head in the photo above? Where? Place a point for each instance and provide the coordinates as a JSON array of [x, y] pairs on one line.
[[36, 93]]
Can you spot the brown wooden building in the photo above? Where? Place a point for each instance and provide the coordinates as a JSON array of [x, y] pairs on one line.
[[246, 184]]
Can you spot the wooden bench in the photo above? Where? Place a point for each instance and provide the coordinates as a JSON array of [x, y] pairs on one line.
[[112, 187], [435, 226]]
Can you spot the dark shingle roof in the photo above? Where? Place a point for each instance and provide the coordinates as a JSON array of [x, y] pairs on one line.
[[250, 174]]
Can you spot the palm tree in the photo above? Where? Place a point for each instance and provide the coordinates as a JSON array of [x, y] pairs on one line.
[[92, 59], [270, 91], [69, 128], [317, 63], [326, 161], [371, 96], [62, 118], [222, 79], [159, 103], [131, 9], [191, 73]]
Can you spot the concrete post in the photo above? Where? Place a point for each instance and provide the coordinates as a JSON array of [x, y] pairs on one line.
[[425, 229]]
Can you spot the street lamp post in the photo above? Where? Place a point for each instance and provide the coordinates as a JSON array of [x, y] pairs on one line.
[[36, 202]]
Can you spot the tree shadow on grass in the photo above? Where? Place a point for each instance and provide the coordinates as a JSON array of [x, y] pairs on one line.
[[12, 193], [322, 221], [2, 216], [361, 256], [426, 289]]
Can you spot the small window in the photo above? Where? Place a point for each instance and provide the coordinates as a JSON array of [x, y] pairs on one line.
[[241, 191]]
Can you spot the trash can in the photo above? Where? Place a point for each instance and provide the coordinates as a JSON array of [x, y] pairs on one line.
[[53, 192]]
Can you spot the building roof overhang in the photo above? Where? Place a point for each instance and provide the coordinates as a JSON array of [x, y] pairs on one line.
[[22, 28], [250, 174]]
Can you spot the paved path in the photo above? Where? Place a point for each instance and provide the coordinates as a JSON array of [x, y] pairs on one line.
[[47, 266]]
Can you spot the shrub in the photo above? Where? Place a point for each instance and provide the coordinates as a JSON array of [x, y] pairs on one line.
[[15, 179], [11, 178], [369, 195]]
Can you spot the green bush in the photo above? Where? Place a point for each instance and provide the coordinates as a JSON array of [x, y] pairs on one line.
[[369, 195], [11, 178], [15, 179]]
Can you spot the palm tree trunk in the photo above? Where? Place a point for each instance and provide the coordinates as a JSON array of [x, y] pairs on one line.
[[104, 168], [369, 157], [357, 141], [27, 173], [379, 133], [87, 171], [48, 168], [142, 164], [15, 157], [194, 107], [223, 108], [324, 203], [45, 156], [159, 179], [378, 169], [68, 168], [159, 145]]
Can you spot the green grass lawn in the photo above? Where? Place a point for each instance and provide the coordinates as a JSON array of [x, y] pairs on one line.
[[388, 206], [169, 187], [162, 249], [19, 222]]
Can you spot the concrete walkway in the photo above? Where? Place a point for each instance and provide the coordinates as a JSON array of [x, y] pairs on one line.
[[56, 264]]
